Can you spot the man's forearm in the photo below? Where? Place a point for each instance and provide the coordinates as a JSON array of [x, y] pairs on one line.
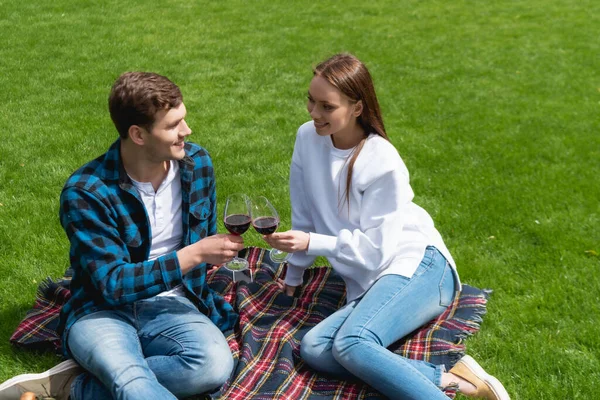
[[188, 258]]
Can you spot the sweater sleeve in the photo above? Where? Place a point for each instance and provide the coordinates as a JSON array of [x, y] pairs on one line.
[[382, 212], [301, 219]]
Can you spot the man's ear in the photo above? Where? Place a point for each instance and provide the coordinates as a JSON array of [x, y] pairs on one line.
[[358, 108], [136, 134]]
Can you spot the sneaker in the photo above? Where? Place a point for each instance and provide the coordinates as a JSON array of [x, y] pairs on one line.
[[52, 384], [488, 387]]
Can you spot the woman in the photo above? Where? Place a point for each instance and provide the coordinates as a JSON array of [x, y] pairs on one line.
[[352, 203]]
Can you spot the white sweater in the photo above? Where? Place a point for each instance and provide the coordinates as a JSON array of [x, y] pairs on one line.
[[384, 232]]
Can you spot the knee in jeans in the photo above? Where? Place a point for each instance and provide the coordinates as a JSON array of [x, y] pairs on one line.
[[128, 380], [218, 366], [221, 371], [311, 348], [346, 347]]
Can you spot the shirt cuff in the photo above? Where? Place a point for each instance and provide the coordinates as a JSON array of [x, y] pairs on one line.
[[170, 270], [321, 245]]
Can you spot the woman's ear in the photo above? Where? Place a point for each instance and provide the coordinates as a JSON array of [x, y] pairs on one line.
[[358, 108]]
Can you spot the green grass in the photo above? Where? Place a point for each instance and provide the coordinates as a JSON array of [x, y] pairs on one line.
[[493, 106]]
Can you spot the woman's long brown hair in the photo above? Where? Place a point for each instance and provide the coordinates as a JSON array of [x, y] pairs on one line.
[[350, 76]]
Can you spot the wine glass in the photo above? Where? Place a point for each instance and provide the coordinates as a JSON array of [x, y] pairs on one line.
[[266, 220], [236, 218]]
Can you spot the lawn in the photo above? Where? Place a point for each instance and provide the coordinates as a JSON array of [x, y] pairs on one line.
[[492, 105]]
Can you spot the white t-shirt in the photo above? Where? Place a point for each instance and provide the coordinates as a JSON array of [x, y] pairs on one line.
[[383, 231], [163, 208]]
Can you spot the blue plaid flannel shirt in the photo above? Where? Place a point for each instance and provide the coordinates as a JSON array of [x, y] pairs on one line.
[[107, 226]]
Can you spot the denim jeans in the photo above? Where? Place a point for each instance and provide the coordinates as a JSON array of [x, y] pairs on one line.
[[157, 348], [353, 340]]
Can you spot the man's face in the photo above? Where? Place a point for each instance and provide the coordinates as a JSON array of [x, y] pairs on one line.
[[165, 140]]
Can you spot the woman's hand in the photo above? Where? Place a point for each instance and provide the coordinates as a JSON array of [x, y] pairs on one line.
[[289, 241], [287, 289]]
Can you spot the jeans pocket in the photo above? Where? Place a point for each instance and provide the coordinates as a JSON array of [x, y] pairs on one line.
[[429, 260], [446, 286]]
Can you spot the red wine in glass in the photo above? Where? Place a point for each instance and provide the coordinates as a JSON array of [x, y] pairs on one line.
[[265, 225], [265, 221], [237, 224], [236, 218]]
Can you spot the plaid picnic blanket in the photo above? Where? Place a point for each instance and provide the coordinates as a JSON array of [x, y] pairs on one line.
[[265, 344], [37, 331]]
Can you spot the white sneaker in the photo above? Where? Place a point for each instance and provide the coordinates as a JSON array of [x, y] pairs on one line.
[[52, 384]]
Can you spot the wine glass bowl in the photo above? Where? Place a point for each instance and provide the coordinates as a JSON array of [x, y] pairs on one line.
[[265, 225], [237, 224], [265, 221], [236, 218]]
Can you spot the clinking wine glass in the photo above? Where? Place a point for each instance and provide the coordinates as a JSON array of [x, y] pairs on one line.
[[236, 218], [265, 221]]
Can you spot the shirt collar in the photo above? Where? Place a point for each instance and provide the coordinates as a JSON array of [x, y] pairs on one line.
[[113, 169]]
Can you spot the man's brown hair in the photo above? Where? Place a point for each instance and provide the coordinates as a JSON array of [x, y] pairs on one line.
[[136, 97]]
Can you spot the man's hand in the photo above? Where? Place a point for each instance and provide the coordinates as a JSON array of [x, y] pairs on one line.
[[216, 249], [219, 249], [289, 241]]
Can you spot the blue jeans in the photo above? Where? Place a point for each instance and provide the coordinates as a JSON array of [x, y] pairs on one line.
[[157, 348], [353, 340]]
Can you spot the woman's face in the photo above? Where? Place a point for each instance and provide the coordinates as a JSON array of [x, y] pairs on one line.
[[332, 111]]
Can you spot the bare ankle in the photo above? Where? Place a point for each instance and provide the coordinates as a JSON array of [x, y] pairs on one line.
[[464, 387]]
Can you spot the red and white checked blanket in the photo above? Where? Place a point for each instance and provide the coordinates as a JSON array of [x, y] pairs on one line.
[[265, 344]]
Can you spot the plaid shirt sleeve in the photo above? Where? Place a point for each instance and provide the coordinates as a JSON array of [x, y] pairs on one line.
[[212, 223], [102, 251]]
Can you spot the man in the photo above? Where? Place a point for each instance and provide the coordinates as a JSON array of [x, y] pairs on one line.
[[141, 220]]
